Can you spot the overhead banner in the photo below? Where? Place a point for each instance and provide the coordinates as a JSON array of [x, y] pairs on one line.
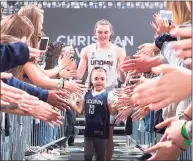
[[76, 26]]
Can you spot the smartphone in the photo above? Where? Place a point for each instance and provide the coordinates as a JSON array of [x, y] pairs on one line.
[[43, 47], [44, 43], [167, 14]]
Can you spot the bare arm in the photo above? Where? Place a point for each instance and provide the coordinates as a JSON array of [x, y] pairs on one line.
[[155, 61], [121, 57], [15, 112], [38, 78], [51, 73], [110, 104], [127, 78], [83, 63], [112, 110], [79, 108]]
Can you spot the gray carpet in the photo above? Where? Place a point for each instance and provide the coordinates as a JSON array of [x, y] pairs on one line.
[[76, 152]]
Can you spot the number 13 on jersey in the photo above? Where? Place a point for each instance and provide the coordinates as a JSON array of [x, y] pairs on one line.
[[91, 109]]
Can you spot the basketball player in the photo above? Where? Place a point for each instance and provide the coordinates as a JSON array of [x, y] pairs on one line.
[[109, 56]]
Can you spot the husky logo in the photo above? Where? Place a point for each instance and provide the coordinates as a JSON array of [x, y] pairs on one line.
[[110, 56], [93, 55]]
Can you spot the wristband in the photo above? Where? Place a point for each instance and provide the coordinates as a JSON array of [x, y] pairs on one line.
[[58, 75], [60, 83], [63, 83], [185, 135]]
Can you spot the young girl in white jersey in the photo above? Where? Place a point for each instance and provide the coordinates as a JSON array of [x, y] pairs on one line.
[[108, 55], [97, 107]]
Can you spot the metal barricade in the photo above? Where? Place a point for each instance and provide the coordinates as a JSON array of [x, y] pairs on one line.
[[25, 133], [150, 139]]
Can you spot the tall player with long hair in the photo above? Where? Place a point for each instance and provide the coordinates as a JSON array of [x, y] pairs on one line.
[[109, 56]]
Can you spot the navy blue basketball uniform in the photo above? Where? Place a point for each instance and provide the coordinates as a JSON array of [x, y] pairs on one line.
[[97, 115]]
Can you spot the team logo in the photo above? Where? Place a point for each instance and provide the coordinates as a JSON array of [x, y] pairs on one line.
[[110, 56], [102, 62], [93, 55]]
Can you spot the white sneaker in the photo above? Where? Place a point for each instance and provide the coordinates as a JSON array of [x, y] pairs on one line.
[[144, 146], [47, 156], [60, 151], [37, 157], [135, 151], [55, 152], [34, 148]]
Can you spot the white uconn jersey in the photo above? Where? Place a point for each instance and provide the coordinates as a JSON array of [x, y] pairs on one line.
[[106, 59]]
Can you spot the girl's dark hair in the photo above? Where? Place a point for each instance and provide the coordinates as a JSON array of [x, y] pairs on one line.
[[53, 53], [90, 77]]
